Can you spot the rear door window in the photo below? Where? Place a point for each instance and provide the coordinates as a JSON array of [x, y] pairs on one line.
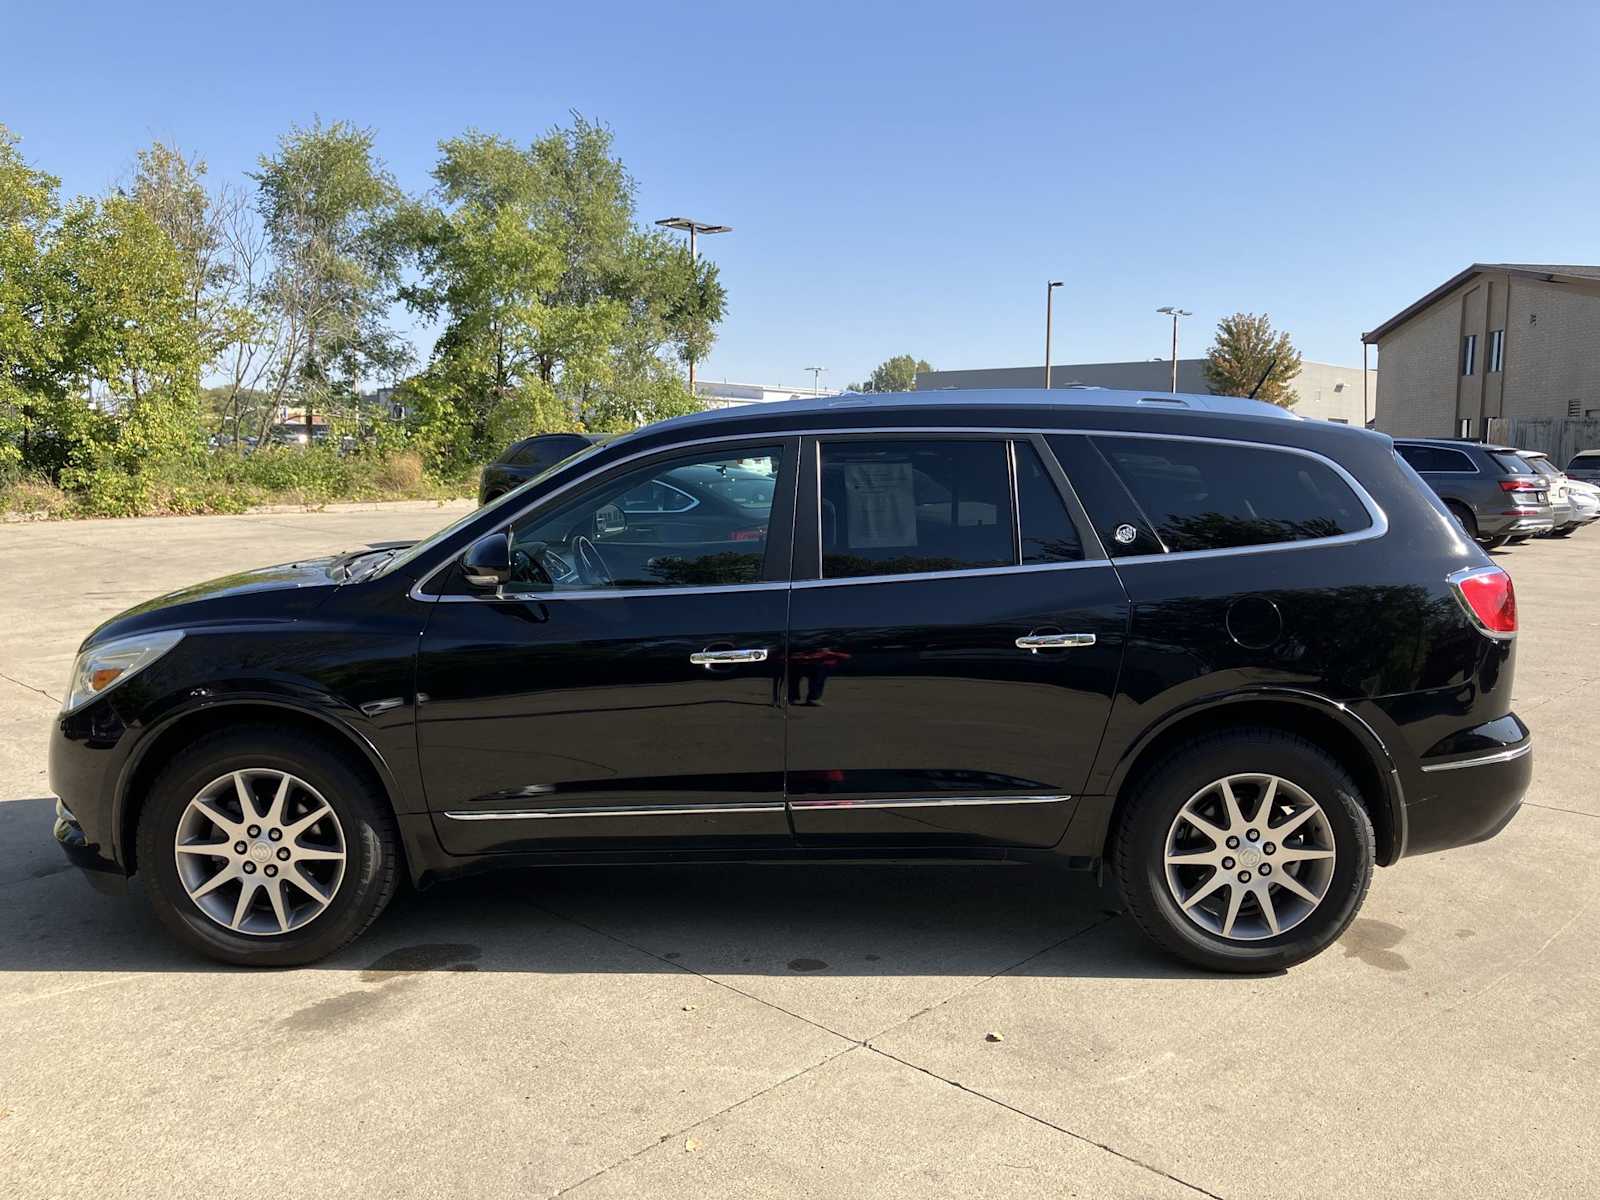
[[1435, 458], [897, 507], [1208, 495], [1588, 460]]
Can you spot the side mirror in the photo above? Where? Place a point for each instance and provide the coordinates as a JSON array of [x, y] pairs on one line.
[[487, 562]]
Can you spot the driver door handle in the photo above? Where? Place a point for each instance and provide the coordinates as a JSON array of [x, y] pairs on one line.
[[721, 658], [1036, 642]]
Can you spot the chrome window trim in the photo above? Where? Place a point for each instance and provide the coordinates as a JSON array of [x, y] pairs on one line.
[[922, 802], [1379, 527], [1483, 760], [611, 810], [920, 576]]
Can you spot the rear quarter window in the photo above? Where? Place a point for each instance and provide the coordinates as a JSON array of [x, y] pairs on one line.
[[1204, 495], [1511, 464]]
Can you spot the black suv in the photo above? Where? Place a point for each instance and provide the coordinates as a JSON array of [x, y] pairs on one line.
[[1496, 494], [522, 460], [1236, 656]]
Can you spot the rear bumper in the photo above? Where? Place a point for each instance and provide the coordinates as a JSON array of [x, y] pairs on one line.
[[1513, 524], [1467, 799]]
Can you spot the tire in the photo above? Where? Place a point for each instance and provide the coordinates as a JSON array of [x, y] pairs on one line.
[[1495, 543], [1518, 540], [1151, 818], [1463, 514], [1568, 531], [358, 823]]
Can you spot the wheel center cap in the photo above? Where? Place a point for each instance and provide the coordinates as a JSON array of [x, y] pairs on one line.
[[260, 853], [1249, 856]]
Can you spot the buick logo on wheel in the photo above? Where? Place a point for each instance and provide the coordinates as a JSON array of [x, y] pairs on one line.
[[1125, 534]]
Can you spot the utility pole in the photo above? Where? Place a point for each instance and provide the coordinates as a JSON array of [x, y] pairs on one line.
[[816, 377], [1049, 320], [1175, 312], [693, 227]]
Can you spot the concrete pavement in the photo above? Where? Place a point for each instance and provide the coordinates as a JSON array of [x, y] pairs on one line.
[[791, 1031]]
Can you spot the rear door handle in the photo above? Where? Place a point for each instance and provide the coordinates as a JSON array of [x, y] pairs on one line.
[[1036, 642], [721, 658]]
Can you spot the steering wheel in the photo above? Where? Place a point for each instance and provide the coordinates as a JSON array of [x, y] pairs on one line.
[[591, 566]]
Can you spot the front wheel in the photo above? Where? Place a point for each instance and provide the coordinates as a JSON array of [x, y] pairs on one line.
[[265, 850], [1246, 851]]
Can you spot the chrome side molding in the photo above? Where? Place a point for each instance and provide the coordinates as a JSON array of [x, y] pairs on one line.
[[1484, 760]]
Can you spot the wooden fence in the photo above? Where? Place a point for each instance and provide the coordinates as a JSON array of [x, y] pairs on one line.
[[1559, 437]]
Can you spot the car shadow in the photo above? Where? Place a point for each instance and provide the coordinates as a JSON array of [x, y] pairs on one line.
[[803, 919]]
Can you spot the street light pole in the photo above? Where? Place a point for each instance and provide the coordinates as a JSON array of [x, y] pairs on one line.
[[1175, 313], [1049, 321], [692, 227]]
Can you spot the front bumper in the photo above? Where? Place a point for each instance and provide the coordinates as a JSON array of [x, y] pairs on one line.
[[1468, 799], [103, 874]]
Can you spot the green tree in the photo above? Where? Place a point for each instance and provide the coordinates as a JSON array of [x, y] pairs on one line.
[[897, 374], [557, 309], [325, 201], [1248, 352], [30, 331]]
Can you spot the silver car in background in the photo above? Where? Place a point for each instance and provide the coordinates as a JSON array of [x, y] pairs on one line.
[[1585, 465]]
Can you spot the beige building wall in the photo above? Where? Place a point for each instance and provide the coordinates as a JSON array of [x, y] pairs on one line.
[[1552, 351], [1326, 392], [1550, 361]]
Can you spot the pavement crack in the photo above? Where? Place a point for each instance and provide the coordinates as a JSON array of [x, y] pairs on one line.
[[677, 1133], [30, 687], [973, 986], [1071, 1133], [688, 970], [1575, 812]]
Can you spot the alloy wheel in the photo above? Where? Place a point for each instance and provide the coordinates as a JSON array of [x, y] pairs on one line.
[[1252, 877], [260, 852]]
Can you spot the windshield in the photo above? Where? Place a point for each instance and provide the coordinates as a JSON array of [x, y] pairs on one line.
[[507, 502], [1543, 466]]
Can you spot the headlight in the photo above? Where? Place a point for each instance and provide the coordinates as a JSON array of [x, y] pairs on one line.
[[100, 668]]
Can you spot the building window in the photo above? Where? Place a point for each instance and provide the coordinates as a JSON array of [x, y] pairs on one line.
[[1497, 349], [1469, 354]]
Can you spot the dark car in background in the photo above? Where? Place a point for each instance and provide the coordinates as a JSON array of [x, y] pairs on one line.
[[531, 456], [1236, 657], [1495, 493]]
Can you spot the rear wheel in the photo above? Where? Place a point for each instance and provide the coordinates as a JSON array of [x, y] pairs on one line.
[[1464, 515], [1566, 531], [1246, 851], [1494, 543], [265, 850]]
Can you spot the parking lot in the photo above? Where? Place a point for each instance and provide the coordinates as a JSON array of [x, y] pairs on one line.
[[791, 1031]]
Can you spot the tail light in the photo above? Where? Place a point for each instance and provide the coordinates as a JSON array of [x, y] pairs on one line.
[[1489, 598], [1519, 485]]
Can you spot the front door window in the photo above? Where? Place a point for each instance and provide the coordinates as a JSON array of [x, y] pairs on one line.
[[699, 521]]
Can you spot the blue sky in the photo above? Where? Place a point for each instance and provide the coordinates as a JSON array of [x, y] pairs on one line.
[[904, 178]]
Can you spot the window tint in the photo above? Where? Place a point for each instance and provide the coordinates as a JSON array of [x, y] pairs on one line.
[[690, 522], [1586, 460], [544, 451], [1435, 458], [1213, 496], [1510, 463], [1048, 534], [895, 507], [1543, 465]]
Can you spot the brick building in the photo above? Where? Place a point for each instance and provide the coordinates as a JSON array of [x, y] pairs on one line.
[[1500, 348]]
